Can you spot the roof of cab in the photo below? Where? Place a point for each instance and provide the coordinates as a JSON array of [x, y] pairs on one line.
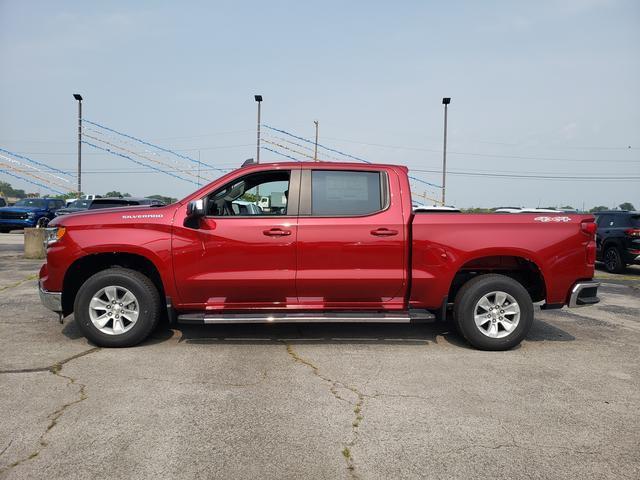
[[310, 164]]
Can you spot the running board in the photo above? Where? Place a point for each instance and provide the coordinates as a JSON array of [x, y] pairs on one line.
[[299, 317]]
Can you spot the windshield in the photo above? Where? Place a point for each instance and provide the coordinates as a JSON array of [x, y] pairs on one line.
[[30, 202], [80, 204]]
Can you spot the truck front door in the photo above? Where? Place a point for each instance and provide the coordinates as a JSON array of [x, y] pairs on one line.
[[240, 255]]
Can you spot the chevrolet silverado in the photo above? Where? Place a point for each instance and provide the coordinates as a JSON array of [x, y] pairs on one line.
[[346, 247]]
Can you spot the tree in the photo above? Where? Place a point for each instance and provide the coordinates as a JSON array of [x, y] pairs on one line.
[[68, 195], [163, 199], [115, 193], [6, 190], [626, 206], [567, 207], [249, 197], [599, 208]]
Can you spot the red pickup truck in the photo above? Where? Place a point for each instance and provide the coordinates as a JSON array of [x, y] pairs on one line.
[[313, 242]]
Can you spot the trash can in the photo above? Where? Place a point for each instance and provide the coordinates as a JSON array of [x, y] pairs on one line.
[[34, 242]]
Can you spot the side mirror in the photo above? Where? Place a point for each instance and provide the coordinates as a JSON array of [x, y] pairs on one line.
[[195, 209]]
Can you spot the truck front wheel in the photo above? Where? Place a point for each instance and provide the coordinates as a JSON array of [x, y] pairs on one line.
[[493, 312], [117, 307]]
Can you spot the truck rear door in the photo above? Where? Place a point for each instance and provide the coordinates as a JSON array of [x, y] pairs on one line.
[[351, 239]]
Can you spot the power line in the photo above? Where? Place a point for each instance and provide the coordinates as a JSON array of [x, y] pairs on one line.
[[135, 161], [183, 171], [149, 144], [342, 153], [489, 155], [35, 162], [24, 179], [540, 177]]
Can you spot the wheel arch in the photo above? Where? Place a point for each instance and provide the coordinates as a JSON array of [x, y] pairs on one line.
[[88, 265], [523, 269]]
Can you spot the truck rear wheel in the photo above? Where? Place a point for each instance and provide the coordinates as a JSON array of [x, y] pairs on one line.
[[117, 307], [493, 312]]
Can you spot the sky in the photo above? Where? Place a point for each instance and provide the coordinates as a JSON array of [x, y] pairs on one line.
[[542, 92]]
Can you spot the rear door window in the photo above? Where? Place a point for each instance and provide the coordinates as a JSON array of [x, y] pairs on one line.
[[620, 221], [346, 193]]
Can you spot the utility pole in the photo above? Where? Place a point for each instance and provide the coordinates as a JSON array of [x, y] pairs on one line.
[[78, 97], [198, 168], [315, 150], [258, 99], [445, 101]]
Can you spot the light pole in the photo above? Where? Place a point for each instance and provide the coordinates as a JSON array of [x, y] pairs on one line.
[[78, 97], [315, 150], [258, 99], [445, 101]]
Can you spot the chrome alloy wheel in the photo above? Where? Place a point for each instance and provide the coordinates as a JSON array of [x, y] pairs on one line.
[[114, 310], [496, 314]]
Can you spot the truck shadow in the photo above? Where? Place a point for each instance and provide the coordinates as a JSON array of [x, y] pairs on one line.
[[437, 333]]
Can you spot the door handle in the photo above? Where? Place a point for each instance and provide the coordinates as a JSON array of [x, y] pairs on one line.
[[276, 232], [383, 232]]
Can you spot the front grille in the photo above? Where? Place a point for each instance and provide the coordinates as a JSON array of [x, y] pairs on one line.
[[13, 215]]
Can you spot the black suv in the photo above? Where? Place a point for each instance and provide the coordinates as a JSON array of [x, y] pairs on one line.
[[618, 239]]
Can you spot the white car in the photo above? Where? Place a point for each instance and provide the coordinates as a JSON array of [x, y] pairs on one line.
[[526, 210], [435, 209]]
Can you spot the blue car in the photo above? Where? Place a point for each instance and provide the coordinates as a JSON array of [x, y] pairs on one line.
[[26, 213]]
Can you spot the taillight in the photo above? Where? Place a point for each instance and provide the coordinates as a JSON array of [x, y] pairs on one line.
[[588, 227], [632, 232]]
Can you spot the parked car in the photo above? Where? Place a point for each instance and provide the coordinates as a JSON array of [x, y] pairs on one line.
[[435, 209], [28, 212], [348, 248], [75, 206], [525, 210], [618, 239], [112, 202], [106, 202], [242, 207]]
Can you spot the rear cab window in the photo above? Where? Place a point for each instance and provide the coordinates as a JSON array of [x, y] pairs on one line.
[[344, 193]]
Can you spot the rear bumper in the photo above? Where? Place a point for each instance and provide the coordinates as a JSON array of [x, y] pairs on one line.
[[51, 300], [631, 256], [583, 294]]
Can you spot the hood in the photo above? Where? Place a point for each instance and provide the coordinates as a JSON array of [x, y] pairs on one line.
[[137, 214], [21, 209]]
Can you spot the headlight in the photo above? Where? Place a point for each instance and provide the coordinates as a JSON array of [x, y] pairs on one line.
[[53, 234], [31, 215]]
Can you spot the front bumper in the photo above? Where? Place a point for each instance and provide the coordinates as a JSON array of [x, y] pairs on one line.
[[51, 300], [17, 223], [583, 294]]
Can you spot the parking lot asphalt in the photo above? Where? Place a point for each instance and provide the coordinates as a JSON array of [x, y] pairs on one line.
[[318, 401]]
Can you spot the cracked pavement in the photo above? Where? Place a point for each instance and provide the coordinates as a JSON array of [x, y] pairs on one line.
[[318, 401]]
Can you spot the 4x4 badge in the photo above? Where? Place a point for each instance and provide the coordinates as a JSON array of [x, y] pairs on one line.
[[552, 219]]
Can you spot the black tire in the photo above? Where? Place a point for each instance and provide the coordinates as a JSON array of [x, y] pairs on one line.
[[465, 304], [4, 230], [146, 295], [613, 260]]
